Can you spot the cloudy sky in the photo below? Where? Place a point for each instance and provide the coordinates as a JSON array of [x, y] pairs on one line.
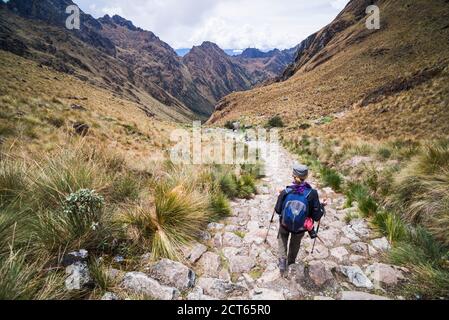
[[232, 24]]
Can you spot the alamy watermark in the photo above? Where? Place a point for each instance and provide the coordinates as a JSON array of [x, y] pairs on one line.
[[373, 20], [226, 147], [73, 21]]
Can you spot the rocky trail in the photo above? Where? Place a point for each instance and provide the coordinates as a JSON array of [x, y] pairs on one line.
[[233, 262]]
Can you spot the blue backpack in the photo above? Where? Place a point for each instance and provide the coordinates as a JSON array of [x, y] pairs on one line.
[[295, 210]]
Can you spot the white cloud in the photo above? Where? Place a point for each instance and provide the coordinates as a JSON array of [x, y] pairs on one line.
[[339, 4], [233, 24]]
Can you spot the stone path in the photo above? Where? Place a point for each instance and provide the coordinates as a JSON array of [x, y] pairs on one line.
[[233, 262]]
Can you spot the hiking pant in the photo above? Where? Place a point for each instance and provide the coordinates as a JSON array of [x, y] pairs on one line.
[[293, 248]]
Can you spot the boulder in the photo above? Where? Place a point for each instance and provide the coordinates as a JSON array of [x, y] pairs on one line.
[[241, 264], [322, 298], [381, 244], [320, 275], [173, 274], [321, 252], [232, 240], [140, 283], [356, 258], [357, 296], [384, 275], [220, 289], [350, 233], [197, 294], [78, 276], [75, 256], [196, 252], [330, 236], [210, 264], [360, 248], [340, 253], [266, 295], [357, 277], [218, 240], [360, 227], [110, 296]]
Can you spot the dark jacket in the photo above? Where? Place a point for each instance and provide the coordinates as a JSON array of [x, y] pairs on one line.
[[315, 208]]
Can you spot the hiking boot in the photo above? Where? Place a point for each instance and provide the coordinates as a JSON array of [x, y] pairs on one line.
[[283, 266]]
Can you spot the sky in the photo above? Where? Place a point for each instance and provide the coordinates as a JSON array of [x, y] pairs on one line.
[[232, 24]]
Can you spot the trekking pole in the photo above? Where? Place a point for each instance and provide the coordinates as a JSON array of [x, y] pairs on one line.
[[269, 228], [318, 229]]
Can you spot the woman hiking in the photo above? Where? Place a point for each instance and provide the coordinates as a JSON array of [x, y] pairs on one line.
[[298, 207]]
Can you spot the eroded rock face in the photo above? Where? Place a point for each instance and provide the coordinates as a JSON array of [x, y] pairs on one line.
[[173, 274], [140, 283]]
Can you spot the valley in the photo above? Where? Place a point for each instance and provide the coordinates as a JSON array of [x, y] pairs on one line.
[[93, 206]]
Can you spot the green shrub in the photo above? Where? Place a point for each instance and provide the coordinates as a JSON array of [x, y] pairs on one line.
[[384, 153], [275, 122], [125, 187], [331, 178], [81, 223], [229, 125], [228, 184], [220, 206], [390, 225]]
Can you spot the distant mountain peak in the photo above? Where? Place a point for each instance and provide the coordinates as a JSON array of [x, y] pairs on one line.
[[120, 21]]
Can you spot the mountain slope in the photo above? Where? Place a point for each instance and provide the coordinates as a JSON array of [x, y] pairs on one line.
[[112, 53], [36, 35], [263, 67], [373, 83], [154, 60], [214, 72]]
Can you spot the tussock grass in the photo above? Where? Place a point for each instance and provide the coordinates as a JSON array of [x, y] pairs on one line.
[[174, 216], [23, 280], [331, 178], [219, 206], [13, 179], [391, 225], [422, 191], [427, 261], [81, 223]]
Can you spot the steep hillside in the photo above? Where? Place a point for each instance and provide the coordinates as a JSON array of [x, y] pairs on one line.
[[154, 60], [40, 109], [265, 66], [214, 72], [353, 81], [36, 35], [112, 53]]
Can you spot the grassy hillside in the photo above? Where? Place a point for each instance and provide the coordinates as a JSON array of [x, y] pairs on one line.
[[373, 83], [40, 106]]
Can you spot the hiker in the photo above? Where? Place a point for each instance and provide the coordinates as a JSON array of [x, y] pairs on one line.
[[298, 207]]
